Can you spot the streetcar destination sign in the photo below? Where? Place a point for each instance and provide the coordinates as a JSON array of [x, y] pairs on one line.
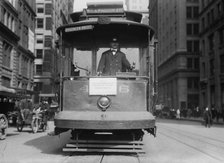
[[79, 28]]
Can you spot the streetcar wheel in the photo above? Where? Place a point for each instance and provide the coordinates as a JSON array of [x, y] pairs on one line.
[[35, 125]]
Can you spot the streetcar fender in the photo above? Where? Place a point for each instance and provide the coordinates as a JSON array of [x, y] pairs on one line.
[[152, 131], [58, 131]]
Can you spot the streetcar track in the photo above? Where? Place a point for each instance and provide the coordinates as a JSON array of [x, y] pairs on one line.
[[217, 140], [101, 160], [66, 159], [70, 158], [196, 135], [182, 142]]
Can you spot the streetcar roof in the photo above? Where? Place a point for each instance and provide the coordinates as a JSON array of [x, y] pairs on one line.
[[99, 32]]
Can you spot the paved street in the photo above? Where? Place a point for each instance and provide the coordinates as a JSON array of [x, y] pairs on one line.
[[176, 141]]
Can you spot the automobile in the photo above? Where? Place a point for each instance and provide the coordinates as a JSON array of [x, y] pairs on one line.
[[165, 112]]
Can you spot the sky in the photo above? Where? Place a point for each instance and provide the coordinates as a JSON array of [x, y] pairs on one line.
[[80, 4]]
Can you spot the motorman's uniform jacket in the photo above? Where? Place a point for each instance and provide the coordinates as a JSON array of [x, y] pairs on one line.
[[110, 64]]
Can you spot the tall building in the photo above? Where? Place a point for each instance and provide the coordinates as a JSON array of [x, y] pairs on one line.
[[140, 6], [178, 53], [17, 24], [212, 54], [50, 15], [153, 22]]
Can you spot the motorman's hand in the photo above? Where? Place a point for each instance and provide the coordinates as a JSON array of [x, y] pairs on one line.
[[99, 73]]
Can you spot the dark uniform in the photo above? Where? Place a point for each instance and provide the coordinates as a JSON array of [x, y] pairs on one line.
[[110, 64], [207, 117]]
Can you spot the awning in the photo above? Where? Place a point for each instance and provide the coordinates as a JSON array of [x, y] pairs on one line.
[[5, 89], [8, 92]]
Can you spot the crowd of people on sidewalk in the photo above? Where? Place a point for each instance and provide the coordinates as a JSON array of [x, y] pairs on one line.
[[209, 116], [212, 115]]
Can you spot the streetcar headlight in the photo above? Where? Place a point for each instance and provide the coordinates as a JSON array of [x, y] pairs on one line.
[[104, 102]]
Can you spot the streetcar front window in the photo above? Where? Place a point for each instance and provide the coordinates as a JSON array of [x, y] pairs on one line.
[[88, 61]]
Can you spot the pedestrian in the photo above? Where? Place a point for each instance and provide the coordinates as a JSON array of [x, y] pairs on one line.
[[207, 117], [3, 126], [178, 113], [222, 115], [197, 112], [214, 112], [217, 116], [113, 60]]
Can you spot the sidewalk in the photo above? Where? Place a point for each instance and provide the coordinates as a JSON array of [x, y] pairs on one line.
[[199, 119]]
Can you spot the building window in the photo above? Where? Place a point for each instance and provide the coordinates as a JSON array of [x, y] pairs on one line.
[[196, 63], [222, 63], [5, 81], [195, 29], [39, 41], [192, 12], [195, 12], [189, 29], [48, 23], [203, 70], [38, 86], [212, 16], [192, 83], [38, 69], [48, 41], [221, 36], [39, 53], [193, 63], [189, 15], [40, 23], [212, 67], [208, 18], [189, 63], [192, 29], [40, 10], [211, 42], [202, 3], [202, 23], [25, 66], [196, 46], [193, 46], [189, 46], [48, 9], [47, 60], [219, 8], [6, 58]]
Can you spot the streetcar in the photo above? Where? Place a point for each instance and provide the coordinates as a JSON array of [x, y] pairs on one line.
[[105, 112]]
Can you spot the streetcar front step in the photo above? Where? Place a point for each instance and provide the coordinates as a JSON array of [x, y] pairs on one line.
[[103, 146]]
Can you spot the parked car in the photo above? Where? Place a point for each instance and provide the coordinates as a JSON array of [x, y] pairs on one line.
[[167, 112]]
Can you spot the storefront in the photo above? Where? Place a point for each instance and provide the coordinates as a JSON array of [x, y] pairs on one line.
[[7, 99]]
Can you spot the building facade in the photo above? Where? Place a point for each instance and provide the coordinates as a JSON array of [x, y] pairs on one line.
[[50, 15], [212, 54], [17, 24], [153, 22], [140, 6], [178, 53]]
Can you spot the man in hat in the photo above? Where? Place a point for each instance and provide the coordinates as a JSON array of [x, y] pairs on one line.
[[113, 60]]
